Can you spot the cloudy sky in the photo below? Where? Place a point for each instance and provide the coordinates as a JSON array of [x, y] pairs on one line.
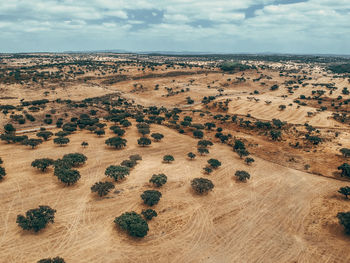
[[287, 26]]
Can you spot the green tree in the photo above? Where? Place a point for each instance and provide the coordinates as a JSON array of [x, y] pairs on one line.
[[99, 132], [116, 142], [345, 169], [133, 223], [2, 173], [202, 150], [208, 170], [61, 141], [249, 160], [9, 129], [66, 175], [75, 159], [143, 141], [32, 142], [102, 188], [198, 134], [52, 260], [157, 136], [135, 157], [36, 219], [242, 175], [202, 185], [168, 158], [191, 155], [43, 163], [158, 179], [345, 152], [148, 214], [44, 134], [275, 135], [344, 219], [117, 172], [345, 191], [214, 163], [128, 163], [84, 144], [242, 153], [151, 197], [204, 143]]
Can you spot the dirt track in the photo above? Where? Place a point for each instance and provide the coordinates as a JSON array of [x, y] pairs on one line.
[[268, 219]]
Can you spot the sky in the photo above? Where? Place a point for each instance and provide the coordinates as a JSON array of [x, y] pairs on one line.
[[218, 26]]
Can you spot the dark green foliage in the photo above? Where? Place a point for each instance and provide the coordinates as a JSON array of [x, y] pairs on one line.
[[143, 141], [345, 169], [66, 175], [275, 135], [9, 129], [345, 191], [274, 87], [43, 163], [100, 132], [234, 67], [191, 155], [238, 145], [2, 172], [242, 175], [133, 223], [128, 163], [208, 170], [151, 197], [198, 134], [74, 159], [203, 150], [242, 153], [315, 140], [249, 160], [116, 142], [117, 172], [214, 163], [102, 188], [209, 125], [340, 69], [52, 260], [148, 214], [32, 142], [84, 144], [69, 127], [202, 185], [135, 157], [204, 143], [168, 158], [61, 141], [345, 152], [1, 161], [117, 130], [36, 219], [44, 134], [278, 123], [158, 179], [62, 134], [344, 219], [157, 136]]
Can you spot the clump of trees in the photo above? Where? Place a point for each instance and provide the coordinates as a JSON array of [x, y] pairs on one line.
[[116, 142], [158, 179], [148, 214], [151, 197], [117, 172], [242, 175], [43, 163], [202, 185], [36, 219], [102, 188], [133, 224]]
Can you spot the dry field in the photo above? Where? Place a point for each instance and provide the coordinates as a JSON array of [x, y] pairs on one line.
[[284, 213]]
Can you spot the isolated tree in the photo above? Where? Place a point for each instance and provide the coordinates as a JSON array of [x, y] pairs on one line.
[[168, 158], [191, 155], [148, 214], [52, 260], [204, 143], [202, 185], [275, 135], [44, 134], [157, 136], [242, 175], [345, 191], [116, 142], [249, 160], [84, 144], [133, 223], [36, 219], [117, 172], [345, 152], [135, 157], [242, 153], [74, 159], [151, 197], [32, 142], [9, 129], [158, 179], [102, 188], [43, 163], [143, 141], [345, 169], [214, 163], [282, 107], [209, 125], [344, 219], [202, 150], [61, 141], [208, 169], [66, 175], [2, 173]]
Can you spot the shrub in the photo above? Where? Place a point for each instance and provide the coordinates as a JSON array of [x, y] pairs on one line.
[[133, 223], [116, 142], [202, 185], [214, 163], [36, 219], [168, 158], [345, 191], [52, 260], [117, 172], [43, 163], [344, 219], [143, 141], [158, 179], [102, 188], [148, 214], [151, 197], [242, 175]]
